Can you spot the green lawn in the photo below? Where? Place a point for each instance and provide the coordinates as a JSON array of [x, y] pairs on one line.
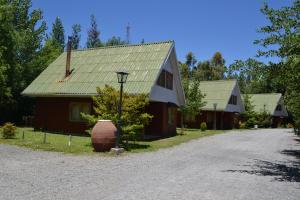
[[82, 145]]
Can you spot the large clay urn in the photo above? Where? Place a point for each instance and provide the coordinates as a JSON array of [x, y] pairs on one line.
[[104, 135]]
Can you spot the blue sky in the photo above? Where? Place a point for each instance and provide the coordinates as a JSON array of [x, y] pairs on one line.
[[200, 26]]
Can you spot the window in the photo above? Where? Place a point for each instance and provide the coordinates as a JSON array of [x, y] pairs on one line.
[[76, 108], [278, 107], [233, 100], [162, 79], [169, 79], [165, 80]]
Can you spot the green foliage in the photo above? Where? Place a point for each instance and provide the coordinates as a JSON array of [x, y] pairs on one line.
[[251, 121], [282, 39], [193, 96], [252, 76], [93, 39], [282, 31], [251, 118], [115, 41], [190, 60], [210, 70], [203, 126], [264, 119], [194, 99], [22, 55], [134, 117], [76, 29], [9, 131], [58, 33]]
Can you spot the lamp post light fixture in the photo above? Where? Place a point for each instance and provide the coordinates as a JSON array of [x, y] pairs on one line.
[[215, 116], [122, 78]]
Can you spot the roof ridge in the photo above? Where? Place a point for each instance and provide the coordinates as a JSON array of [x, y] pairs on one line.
[[264, 93], [124, 45], [222, 80]]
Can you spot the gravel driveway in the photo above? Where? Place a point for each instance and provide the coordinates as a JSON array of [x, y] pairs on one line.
[[258, 164]]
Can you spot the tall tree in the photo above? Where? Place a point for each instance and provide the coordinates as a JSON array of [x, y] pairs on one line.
[[22, 33], [251, 76], [218, 66], [193, 95], [58, 33], [282, 40], [76, 29], [190, 60], [211, 70], [93, 39], [7, 49]]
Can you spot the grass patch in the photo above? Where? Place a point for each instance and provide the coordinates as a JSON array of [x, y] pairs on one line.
[[54, 142], [189, 134], [82, 144]]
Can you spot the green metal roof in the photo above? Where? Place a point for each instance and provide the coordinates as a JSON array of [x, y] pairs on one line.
[[217, 92], [97, 67], [265, 101]]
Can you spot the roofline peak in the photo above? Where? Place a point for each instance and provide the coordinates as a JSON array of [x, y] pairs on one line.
[[125, 45]]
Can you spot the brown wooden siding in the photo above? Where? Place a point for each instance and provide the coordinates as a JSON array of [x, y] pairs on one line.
[[159, 124], [52, 114], [224, 120]]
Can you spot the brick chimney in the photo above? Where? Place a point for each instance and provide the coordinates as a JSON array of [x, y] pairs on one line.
[[68, 61]]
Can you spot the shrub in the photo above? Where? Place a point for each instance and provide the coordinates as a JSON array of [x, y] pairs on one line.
[[250, 122], [134, 117], [266, 123], [290, 125], [203, 126], [9, 130]]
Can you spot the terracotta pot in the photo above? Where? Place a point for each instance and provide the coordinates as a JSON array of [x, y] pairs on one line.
[[104, 135]]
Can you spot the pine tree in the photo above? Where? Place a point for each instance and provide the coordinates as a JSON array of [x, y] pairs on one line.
[[93, 39], [58, 33], [190, 60], [76, 29], [218, 66]]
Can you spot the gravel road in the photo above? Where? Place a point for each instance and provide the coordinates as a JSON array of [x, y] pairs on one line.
[[257, 164]]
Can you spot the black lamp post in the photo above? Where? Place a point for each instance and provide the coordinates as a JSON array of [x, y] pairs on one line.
[[122, 77]]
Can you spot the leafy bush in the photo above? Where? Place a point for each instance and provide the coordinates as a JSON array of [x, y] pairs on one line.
[[250, 122], [9, 130], [266, 123], [134, 117], [203, 126], [134, 132], [290, 125], [264, 119]]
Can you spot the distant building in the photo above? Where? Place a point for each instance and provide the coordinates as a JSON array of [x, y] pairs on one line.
[[64, 89], [226, 96], [273, 104]]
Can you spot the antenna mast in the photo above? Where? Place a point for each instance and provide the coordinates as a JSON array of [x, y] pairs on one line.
[[128, 33]]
